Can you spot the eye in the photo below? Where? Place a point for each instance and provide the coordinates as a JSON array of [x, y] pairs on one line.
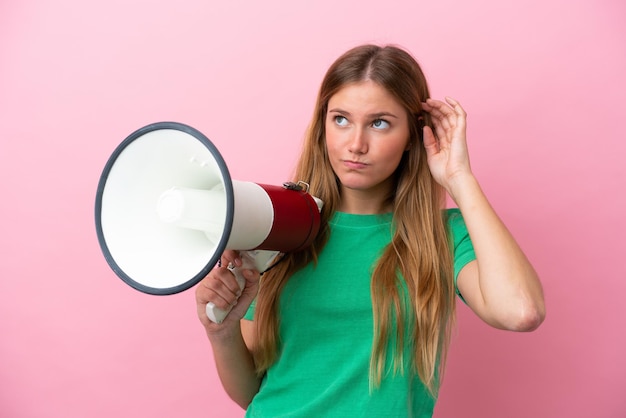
[[341, 120], [380, 124]]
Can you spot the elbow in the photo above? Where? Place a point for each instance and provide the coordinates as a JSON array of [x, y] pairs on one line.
[[243, 402], [528, 318]]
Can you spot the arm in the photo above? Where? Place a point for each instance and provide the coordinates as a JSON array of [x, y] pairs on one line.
[[500, 286], [233, 339]]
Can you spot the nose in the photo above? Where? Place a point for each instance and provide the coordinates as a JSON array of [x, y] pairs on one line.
[[358, 142]]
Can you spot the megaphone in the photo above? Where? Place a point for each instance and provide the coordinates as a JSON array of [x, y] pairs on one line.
[[167, 208]]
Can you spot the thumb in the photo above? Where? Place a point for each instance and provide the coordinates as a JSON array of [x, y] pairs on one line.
[[430, 141]]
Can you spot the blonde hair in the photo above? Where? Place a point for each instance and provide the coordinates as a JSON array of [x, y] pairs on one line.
[[418, 260]]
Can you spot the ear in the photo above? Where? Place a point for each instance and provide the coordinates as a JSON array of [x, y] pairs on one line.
[[421, 123]]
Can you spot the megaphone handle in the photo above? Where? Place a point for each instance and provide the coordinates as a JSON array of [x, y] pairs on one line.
[[253, 259]]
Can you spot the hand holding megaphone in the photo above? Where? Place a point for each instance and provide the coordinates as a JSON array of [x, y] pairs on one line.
[[258, 260], [166, 210], [219, 294]]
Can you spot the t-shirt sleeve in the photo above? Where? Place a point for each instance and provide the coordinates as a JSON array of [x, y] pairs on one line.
[[463, 248]]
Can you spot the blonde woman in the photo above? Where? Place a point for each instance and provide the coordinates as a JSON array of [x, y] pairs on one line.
[[358, 324]]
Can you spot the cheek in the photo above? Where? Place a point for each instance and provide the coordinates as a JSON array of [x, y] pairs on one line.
[[393, 150], [333, 156], [332, 143], [392, 156]]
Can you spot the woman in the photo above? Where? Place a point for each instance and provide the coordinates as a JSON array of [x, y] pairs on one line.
[[359, 323]]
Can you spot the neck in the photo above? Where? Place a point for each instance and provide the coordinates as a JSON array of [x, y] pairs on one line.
[[358, 203]]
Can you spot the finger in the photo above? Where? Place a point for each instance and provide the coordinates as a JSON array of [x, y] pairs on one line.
[[441, 113], [232, 258], [441, 128], [433, 108], [440, 107], [456, 106], [225, 279], [430, 142], [439, 116], [219, 287], [461, 115], [440, 123]]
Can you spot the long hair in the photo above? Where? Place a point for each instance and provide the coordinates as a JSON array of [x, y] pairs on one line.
[[412, 286]]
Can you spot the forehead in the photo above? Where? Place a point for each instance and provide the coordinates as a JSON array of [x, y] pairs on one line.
[[364, 97]]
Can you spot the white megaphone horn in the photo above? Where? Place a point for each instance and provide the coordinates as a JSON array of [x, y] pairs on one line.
[[166, 209]]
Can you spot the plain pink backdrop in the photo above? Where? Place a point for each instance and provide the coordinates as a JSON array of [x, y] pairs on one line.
[[542, 81]]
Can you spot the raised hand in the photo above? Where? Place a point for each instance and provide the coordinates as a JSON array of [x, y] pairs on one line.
[[446, 147]]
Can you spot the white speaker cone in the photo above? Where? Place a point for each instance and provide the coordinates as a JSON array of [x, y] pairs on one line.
[[146, 250]]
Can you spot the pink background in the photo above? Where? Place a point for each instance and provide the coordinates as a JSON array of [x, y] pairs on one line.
[[542, 81]]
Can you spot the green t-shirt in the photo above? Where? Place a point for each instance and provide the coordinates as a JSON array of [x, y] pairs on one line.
[[326, 331]]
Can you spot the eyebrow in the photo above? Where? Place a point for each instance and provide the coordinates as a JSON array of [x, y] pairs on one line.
[[371, 115]]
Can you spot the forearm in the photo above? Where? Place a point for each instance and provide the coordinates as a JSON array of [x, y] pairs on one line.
[[235, 366], [507, 292]]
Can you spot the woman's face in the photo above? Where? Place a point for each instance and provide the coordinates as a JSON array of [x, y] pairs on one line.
[[367, 131]]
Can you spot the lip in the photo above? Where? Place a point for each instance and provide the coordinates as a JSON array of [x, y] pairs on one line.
[[354, 165]]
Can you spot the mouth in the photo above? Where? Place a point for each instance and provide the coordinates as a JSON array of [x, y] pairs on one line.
[[354, 165]]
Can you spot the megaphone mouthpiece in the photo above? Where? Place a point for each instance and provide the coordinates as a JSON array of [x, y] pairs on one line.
[[200, 210]]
